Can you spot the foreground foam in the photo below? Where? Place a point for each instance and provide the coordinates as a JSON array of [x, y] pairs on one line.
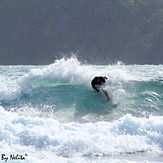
[[125, 136]]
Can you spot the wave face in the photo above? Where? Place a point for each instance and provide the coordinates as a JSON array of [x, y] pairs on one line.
[[54, 110]]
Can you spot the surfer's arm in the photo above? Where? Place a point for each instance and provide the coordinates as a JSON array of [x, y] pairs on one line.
[[106, 94]]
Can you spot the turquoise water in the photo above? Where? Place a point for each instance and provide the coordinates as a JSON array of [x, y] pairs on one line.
[[52, 113]]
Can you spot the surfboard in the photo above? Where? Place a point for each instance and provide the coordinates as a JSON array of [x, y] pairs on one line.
[[111, 102], [114, 103]]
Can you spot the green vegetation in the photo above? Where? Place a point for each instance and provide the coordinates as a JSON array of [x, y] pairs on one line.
[[97, 30]]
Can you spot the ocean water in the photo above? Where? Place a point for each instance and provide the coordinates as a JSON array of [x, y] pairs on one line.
[[50, 113]]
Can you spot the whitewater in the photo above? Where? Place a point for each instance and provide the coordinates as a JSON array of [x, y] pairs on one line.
[[50, 113]]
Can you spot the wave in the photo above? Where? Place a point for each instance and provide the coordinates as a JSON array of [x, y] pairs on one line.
[[62, 90], [18, 79]]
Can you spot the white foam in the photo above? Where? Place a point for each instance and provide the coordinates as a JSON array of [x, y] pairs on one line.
[[71, 70], [8, 88], [63, 70], [146, 72], [41, 138]]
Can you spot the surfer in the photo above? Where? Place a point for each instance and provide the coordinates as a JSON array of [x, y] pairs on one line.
[[100, 82]]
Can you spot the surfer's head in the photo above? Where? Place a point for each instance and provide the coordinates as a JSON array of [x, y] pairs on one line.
[[104, 79]]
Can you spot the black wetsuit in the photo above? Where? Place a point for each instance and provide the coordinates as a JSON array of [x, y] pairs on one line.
[[98, 80]]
